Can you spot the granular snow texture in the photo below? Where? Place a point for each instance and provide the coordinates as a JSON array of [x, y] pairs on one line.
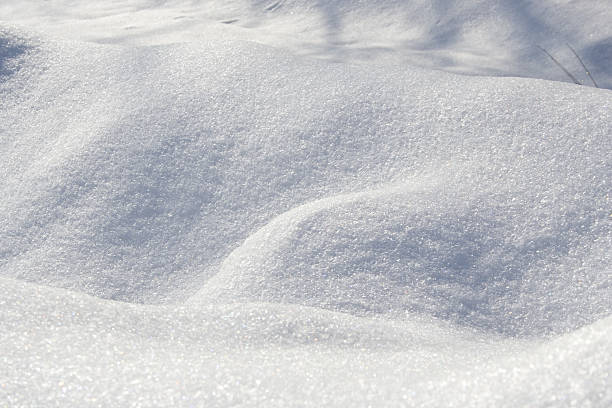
[[301, 203]]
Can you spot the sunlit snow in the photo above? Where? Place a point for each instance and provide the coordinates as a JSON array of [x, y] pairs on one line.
[[305, 203]]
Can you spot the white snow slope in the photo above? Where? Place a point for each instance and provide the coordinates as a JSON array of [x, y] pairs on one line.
[[305, 203]]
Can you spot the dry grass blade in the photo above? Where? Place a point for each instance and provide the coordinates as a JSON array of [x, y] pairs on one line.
[[582, 63], [569, 74]]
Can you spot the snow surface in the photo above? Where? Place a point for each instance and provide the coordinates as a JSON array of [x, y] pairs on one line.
[[302, 203]]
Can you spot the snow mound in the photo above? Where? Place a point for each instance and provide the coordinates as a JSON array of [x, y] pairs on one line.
[[135, 179], [482, 260]]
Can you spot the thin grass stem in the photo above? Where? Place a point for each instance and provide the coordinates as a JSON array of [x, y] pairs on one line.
[[582, 63], [569, 74]]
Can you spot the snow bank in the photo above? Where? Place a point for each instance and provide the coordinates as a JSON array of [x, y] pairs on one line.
[[195, 211]]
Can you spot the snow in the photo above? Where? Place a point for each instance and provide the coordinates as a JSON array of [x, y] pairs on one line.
[[302, 203]]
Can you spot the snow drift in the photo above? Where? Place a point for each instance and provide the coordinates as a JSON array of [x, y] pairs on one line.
[[251, 204]]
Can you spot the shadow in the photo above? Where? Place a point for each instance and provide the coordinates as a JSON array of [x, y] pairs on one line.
[[598, 58], [11, 50], [334, 48]]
